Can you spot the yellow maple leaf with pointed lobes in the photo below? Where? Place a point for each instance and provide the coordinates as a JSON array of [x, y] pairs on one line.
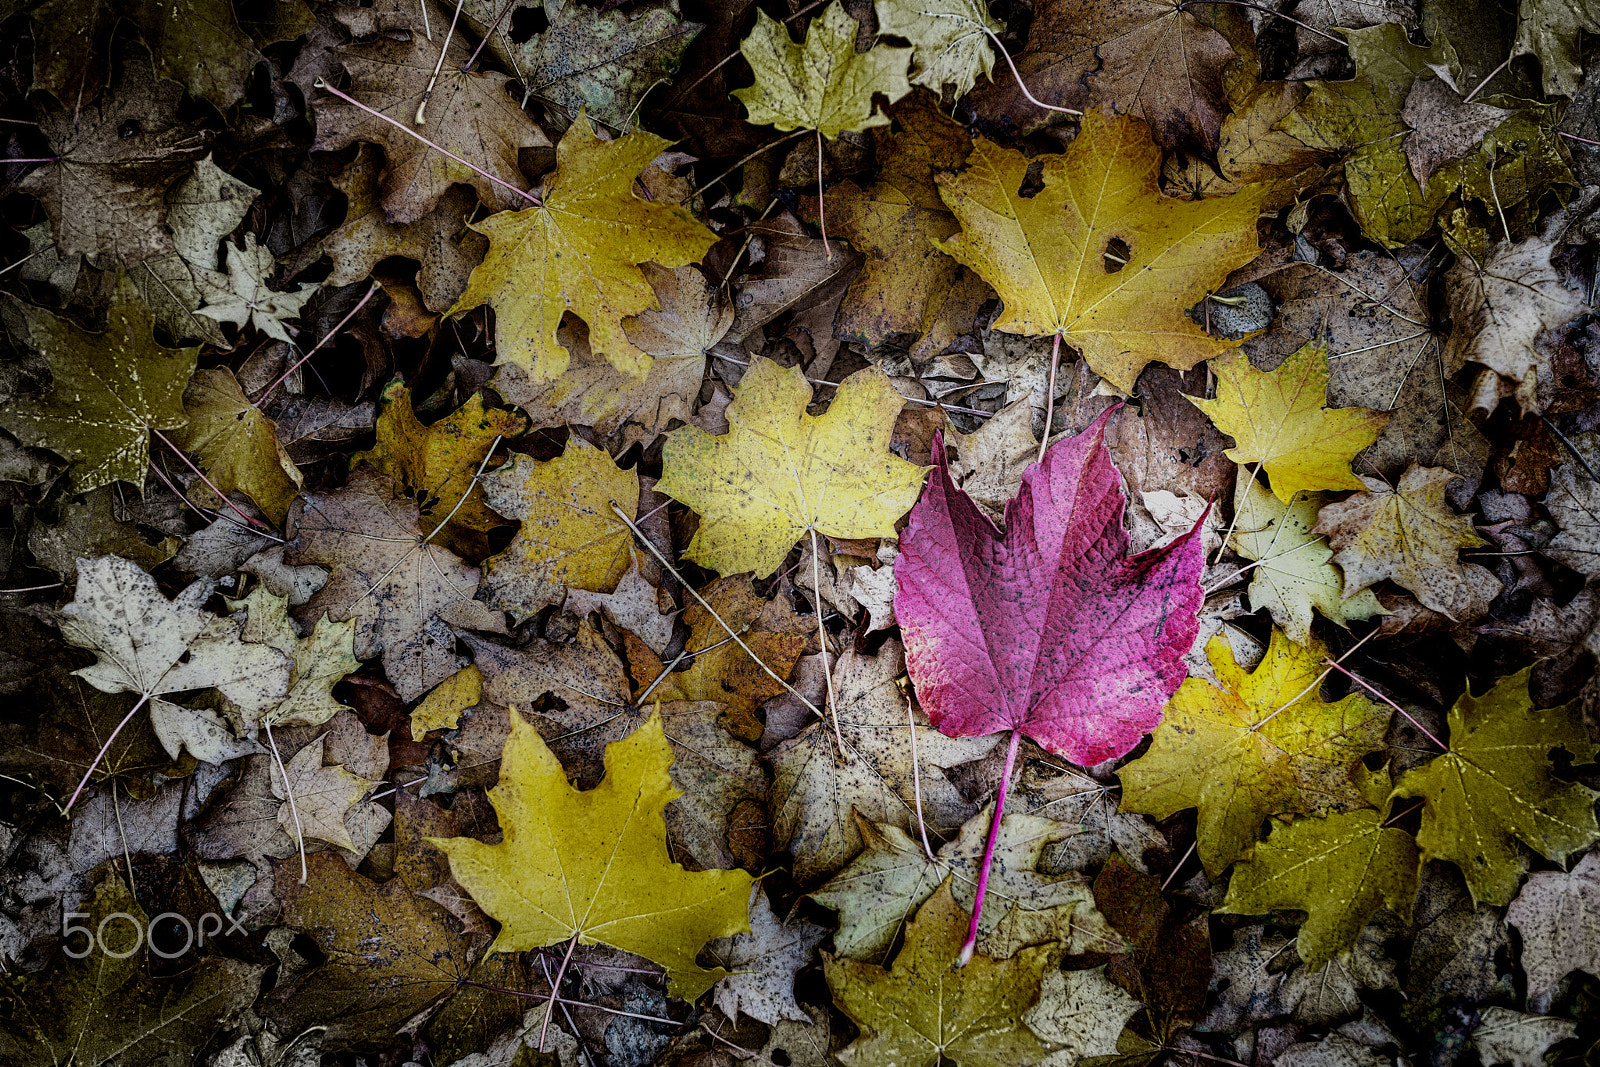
[[1494, 788], [236, 445], [1048, 255], [1263, 744], [778, 473], [823, 84], [435, 464], [594, 864], [570, 537], [579, 251], [1281, 420]]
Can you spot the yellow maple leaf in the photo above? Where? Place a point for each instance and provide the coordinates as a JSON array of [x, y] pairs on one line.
[[1263, 744], [823, 84], [778, 473], [435, 464], [570, 537], [1047, 255], [593, 864], [1281, 420], [235, 444], [579, 251]]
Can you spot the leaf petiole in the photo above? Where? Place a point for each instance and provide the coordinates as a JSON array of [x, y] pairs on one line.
[[988, 850]]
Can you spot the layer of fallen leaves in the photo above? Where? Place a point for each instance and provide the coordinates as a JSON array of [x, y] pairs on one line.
[[599, 533]]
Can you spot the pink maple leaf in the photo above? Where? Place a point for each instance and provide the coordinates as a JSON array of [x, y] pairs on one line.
[[1050, 629]]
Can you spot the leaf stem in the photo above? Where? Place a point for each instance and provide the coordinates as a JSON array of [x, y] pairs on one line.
[[288, 792], [375, 113], [555, 989], [988, 850], [422, 108], [1363, 684], [916, 783], [822, 215], [1050, 396], [98, 756], [314, 348], [1031, 98], [202, 476], [832, 706], [649, 544]]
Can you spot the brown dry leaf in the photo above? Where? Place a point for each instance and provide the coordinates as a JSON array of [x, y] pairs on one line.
[[404, 594], [322, 796], [1500, 310], [990, 461], [816, 788], [440, 240], [692, 318], [1444, 127], [105, 194], [726, 673], [1408, 533], [1253, 149], [762, 965], [471, 115], [570, 536], [388, 953], [634, 606], [893, 220], [1149, 58]]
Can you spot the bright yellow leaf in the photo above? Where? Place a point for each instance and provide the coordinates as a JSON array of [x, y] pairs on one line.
[[823, 84], [442, 708], [1049, 255], [1281, 420], [579, 251], [435, 464], [570, 537], [779, 473], [1263, 744], [594, 864]]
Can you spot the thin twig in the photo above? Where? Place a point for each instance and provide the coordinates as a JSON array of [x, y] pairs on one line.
[[555, 991], [1185, 857], [422, 107], [916, 783], [1468, 98], [1363, 684], [316, 347], [493, 26], [822, 637], [1050, 395], [353, 102], [202, 476], [103, 750], [822, 215], [746, 159], [1268, 11], [649, 544], [1031, 98], [907, 399], [288, 792]]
